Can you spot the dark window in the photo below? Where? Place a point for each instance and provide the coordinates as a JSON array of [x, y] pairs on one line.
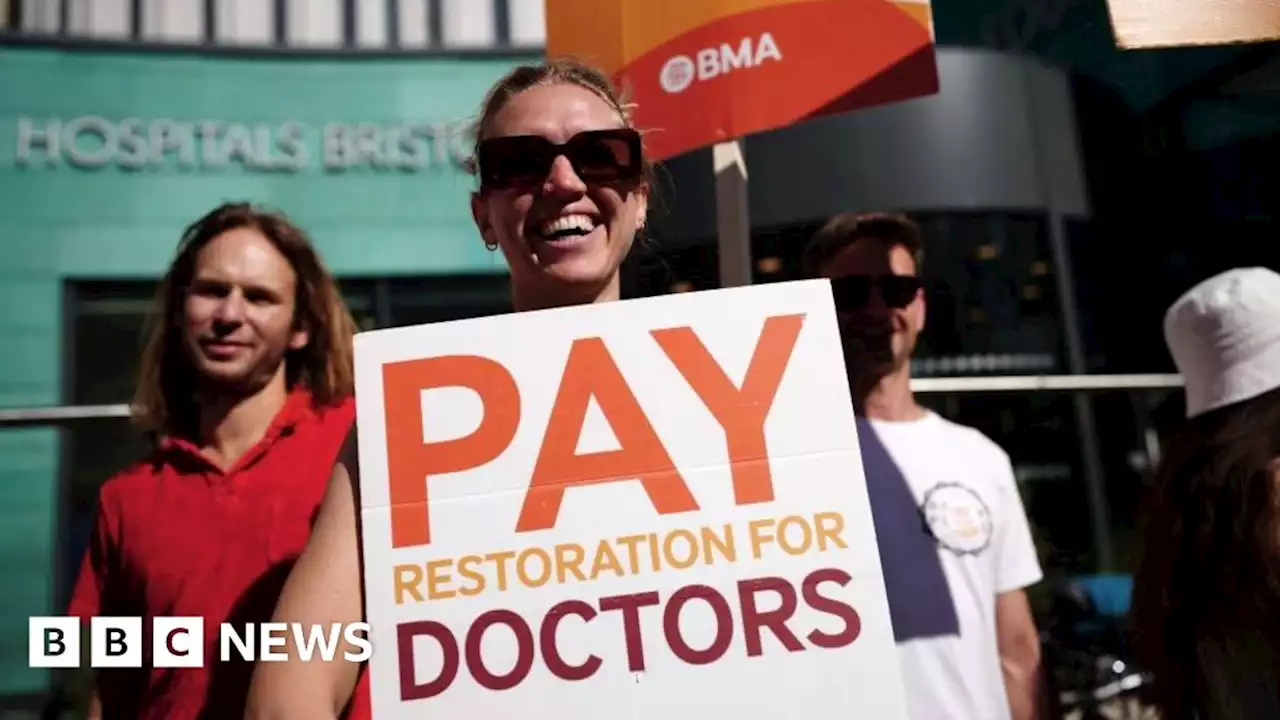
[[992, 303], [417, 301]]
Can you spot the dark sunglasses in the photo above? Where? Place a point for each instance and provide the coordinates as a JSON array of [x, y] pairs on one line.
[[854, 291], [597, 156]]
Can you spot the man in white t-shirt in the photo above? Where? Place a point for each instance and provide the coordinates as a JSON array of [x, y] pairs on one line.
[[953, 535]]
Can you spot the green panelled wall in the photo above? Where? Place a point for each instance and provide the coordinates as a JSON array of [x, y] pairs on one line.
[[60, 222]]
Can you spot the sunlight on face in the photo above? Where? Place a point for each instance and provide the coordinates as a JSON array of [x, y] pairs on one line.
[[239, 310], [517, 219]]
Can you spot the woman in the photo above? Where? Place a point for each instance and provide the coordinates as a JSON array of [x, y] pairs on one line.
[[1206, 608], [563, 189]]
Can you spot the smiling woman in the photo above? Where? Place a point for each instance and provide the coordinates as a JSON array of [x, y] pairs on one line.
[[565, 210], [563, 183]]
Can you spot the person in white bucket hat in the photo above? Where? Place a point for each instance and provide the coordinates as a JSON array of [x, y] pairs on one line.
[[1206, 606], [1224, 335]]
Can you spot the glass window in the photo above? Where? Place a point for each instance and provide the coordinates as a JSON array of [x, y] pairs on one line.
[[417, 301], [107, 326], [991, 297], [105, 337]]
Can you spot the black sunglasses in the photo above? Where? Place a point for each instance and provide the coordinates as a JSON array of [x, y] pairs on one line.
[[599, 156], [853, 292]]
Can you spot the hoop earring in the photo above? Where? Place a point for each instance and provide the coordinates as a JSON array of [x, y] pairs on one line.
[[490, 246]]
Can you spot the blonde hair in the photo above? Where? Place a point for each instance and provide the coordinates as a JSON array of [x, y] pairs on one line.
[[566, 70], [163, 403]]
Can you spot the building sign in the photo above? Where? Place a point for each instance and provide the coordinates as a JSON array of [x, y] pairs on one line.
[[91, 141]]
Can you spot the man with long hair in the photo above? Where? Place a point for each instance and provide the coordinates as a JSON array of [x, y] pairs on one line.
[[246, 388], [954, 539]]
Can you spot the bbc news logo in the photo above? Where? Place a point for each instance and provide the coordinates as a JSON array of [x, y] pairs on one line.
[[179, 642]]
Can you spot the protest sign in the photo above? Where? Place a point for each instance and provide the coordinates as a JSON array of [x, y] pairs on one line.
[[1150, 24], [713, 70], [710, 72], [640, 509]]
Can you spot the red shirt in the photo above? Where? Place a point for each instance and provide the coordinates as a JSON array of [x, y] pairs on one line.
[[176, 536], [361, 707]]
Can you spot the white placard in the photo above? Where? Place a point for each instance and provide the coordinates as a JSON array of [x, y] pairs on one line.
[[648, 509]]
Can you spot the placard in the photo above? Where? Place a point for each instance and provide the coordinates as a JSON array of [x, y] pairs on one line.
[[1150, 24], [705, 71], [640, 509]]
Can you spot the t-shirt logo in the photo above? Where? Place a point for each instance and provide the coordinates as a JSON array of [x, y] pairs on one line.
[[957, 518]]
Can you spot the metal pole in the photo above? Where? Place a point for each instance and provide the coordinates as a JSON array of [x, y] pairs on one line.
[[1086, 425]]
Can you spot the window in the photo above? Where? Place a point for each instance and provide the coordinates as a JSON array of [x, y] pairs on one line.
[[105, 19], [528, 23], [172, 21], [977, 271], [351, 25], [416, 301], [314, 23], [40, 17], [371, 23], [244, 22], [468, 23]]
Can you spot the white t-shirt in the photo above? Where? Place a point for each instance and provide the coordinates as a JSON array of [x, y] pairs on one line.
[[969, 513]]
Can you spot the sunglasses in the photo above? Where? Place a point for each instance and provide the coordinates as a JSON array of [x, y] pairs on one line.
[[597, 156], [853, 292]]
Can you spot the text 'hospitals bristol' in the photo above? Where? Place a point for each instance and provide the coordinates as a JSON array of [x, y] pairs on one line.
[[92, 142]]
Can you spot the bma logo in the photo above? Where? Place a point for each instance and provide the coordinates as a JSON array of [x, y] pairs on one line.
[[681, 71]]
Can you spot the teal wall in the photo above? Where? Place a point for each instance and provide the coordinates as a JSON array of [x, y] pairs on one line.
[[61, 222]]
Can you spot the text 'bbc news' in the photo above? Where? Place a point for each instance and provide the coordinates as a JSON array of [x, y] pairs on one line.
[[179, 642]]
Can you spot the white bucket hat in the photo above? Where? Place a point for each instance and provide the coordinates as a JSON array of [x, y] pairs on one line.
[[1224, 336]]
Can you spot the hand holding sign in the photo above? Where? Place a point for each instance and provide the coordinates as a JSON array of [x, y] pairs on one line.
[[598, 510]]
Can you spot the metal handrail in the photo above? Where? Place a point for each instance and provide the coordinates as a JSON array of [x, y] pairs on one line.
[[40, 416], [62, 414], [1060, 383]]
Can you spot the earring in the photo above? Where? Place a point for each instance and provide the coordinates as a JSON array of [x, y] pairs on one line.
[[490, 246]]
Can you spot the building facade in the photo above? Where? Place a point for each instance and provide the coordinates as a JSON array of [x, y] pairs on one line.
[[318, 25], [123, 120]]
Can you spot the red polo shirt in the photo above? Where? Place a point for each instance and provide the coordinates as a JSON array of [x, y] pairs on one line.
[[176, 536]]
